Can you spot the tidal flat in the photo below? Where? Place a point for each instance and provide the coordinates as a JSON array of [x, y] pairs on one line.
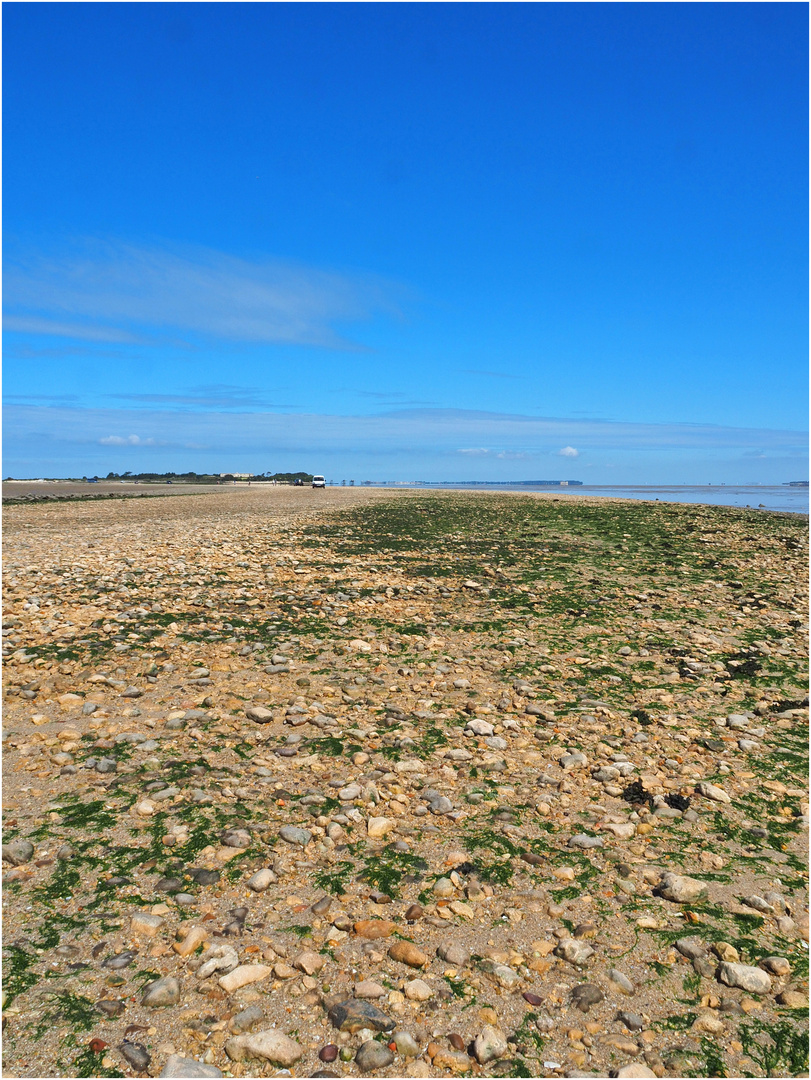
[[348, 782]]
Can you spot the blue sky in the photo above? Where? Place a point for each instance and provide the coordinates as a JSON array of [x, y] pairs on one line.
[[397, 241]]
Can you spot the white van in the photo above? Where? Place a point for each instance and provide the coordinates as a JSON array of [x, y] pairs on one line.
[[319, 481]]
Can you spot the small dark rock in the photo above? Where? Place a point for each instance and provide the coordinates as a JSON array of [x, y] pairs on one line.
[[201, 876], [111, 1007], [136, 1055], [585, 995], [169, 885], [236, 838], [328, 1052], [120, 960], [244, 1021], [352, 1015], [631, 1020]]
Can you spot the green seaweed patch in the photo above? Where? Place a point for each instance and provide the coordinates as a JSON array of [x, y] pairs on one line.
[[300, 930], [384, 870], [85, 815], [17, 974], [779, 1049], [712, 1060], [335, 880], [326, 747], [76, 1009]]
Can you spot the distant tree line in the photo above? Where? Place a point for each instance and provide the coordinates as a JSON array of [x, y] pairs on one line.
[[209, 478]]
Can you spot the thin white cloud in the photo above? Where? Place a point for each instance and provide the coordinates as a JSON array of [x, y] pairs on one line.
[[115, 291], [212, 396], [130, 440], [568, 451], [435, 429], [57, 439], [24, 324]]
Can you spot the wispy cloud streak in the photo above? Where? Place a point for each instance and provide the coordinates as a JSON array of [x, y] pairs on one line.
[[469, 433], [114, 291], [59, 440]]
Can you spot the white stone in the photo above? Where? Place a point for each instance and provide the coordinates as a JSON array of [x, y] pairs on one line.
[[751, 979], [489, 1045], [271, 1045], [378, 827], [713, 792], [243, 975], [681, 889], [418, 990], [261, 880], [148, 925]]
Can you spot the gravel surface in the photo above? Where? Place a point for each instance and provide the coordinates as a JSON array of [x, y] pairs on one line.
[[348, 782]]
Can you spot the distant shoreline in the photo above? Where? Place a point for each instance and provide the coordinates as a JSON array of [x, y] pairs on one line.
[[775, 498]]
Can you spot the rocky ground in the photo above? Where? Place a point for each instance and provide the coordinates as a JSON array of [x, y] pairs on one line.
[[37, 491], [351, 783]]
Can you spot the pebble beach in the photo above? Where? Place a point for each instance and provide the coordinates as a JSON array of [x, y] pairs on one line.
[[348, 782]]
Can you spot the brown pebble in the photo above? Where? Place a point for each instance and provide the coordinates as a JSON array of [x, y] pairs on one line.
[[407, 953], [414, 912], [328, 1052], [374, 928], [456, 1041], [586, 929], [533, 999], [531, 858], [432, 1049]]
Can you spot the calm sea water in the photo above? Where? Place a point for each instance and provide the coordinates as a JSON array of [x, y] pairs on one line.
[[786, 499]]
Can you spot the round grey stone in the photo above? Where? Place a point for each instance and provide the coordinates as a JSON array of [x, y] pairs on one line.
[[18, 852], [165, 991], [293, 835], [373, 1056]]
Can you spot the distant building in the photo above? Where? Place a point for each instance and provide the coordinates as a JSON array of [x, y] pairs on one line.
[[236, 475]]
